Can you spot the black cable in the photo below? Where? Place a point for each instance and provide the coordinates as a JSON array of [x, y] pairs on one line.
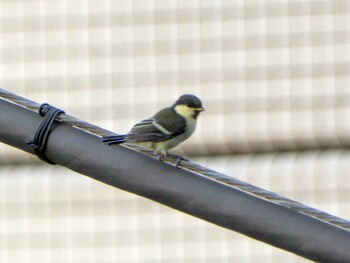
[[190, 166], [186, 191]]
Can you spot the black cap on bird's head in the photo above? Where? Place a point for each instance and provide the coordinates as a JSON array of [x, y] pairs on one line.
[[190, 101]]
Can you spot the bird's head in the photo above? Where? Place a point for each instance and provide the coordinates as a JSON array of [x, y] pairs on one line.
[[188, 106]]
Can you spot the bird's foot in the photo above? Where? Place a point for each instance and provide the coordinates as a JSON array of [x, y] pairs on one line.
[[178, 158], [162, 158], [173, 157]]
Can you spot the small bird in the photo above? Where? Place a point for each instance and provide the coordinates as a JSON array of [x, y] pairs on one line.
[[166, 129]]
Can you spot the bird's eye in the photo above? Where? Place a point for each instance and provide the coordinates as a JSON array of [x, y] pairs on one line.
[[187, 104]]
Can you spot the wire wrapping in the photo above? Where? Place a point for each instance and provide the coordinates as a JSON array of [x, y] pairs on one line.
[[49, 114], [193, 167]]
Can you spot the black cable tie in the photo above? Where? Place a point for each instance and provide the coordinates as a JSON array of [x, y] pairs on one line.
[[41, 136]]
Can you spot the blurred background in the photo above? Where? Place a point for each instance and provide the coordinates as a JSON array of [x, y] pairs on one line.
[[273, 76]]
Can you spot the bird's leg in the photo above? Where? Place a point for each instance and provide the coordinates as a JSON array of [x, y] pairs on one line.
[[178, 163], [163, 156], [178, 158]]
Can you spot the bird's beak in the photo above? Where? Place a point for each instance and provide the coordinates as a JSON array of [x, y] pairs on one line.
[[198, 109]]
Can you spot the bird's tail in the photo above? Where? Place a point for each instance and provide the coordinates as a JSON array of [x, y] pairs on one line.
[[114, 139]]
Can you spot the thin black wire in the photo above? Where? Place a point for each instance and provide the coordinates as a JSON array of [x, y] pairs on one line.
[[193, 167]]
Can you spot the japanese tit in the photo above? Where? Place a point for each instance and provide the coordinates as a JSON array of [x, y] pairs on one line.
[[166, 129]]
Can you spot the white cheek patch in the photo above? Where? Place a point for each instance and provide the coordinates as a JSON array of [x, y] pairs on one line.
[[184, 111]]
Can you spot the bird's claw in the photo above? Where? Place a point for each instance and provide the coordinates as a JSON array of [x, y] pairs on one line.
[[179, 159], [178, 162]]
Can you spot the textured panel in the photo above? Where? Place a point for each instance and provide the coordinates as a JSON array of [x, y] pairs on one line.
[[273, 75]]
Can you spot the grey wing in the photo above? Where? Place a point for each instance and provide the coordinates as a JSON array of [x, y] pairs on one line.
[[163, 126], [146, 131]]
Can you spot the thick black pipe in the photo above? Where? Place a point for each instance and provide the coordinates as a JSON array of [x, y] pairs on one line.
[[179, 189]]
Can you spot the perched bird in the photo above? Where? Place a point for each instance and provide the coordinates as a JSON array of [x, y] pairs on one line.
[[166, 129]]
